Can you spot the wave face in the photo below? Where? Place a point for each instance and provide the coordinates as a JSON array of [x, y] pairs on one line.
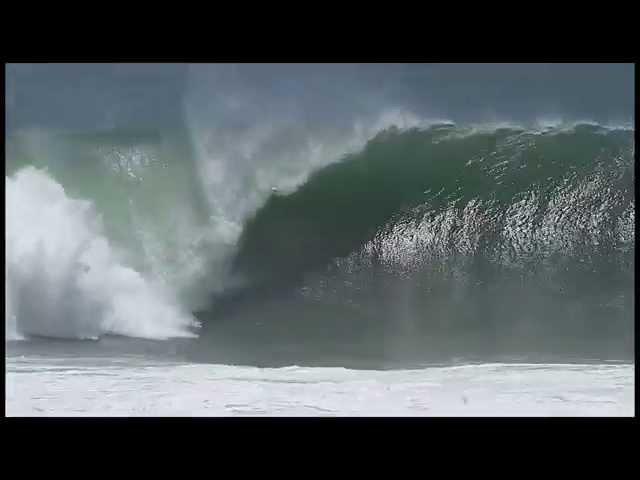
[[448, 240], [518, 195]]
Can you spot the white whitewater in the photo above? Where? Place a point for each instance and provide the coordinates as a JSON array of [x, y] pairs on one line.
[[94, 387], [64, 278]]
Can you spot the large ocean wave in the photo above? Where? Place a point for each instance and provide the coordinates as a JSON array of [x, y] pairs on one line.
[[399, 237]]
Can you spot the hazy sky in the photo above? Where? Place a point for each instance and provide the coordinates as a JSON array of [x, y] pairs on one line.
[[104, 96]]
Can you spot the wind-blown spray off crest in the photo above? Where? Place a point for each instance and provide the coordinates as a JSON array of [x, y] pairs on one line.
[[254, 138]]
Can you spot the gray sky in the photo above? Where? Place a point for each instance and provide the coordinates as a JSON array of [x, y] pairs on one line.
[[104, 96]]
